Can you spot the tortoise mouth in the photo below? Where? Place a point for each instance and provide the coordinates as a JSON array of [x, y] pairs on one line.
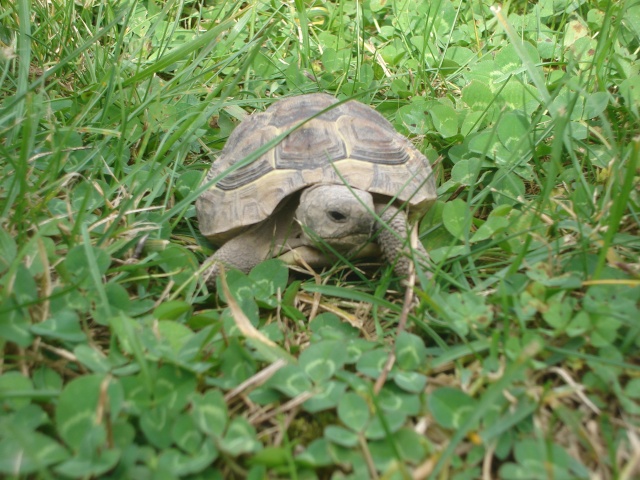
[[346, 244], [312, 256]]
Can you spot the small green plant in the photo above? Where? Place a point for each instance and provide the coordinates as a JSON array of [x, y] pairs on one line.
[[518, 360]]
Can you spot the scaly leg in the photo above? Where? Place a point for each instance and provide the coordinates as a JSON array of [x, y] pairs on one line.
[[394, 241]]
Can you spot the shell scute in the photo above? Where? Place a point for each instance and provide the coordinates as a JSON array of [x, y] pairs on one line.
[[291, 111], [310, 147], [372, 143]]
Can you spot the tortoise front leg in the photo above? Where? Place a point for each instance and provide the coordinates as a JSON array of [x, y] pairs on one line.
[[242, 252], [395, 243], [261, 242]]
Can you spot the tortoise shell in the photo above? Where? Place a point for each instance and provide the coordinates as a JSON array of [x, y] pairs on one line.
[[349, 143]]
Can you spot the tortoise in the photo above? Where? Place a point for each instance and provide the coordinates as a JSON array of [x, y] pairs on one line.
[[336, 176]]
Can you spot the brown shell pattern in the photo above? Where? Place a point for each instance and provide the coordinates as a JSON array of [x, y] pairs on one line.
[[350, 143]]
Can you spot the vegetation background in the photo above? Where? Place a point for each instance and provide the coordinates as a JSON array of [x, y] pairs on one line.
[[520, 360]]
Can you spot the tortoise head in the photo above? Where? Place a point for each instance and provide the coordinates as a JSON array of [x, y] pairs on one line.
[[337, 215]]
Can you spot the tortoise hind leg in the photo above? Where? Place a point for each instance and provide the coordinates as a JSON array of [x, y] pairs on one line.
[[394, 241]]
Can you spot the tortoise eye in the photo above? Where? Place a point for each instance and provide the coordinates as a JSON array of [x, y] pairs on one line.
[[337, 216]]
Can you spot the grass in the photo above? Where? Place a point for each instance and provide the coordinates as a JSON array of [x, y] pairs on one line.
[[520, 360]]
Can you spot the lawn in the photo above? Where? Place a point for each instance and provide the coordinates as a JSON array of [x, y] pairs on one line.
[[519, 359]]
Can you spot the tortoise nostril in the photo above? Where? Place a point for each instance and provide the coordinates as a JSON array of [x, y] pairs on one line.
[[337, 216]]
